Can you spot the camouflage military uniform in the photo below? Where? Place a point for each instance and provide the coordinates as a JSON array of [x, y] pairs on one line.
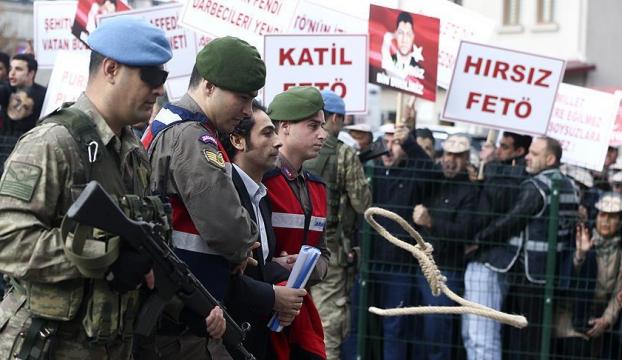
[[42, 177], [348, 194]]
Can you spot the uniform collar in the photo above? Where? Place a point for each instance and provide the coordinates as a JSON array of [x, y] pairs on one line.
[[287, 169], [188, 109], [104, 131]]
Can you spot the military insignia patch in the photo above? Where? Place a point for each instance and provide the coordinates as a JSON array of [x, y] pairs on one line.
[[215, 158], [208, 139], [20, 180]]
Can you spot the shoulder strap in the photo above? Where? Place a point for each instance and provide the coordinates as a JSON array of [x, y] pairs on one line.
[[83, 132]]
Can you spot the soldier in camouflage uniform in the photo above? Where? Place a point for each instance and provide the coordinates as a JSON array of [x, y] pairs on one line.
[[348, 194], [59, 307]]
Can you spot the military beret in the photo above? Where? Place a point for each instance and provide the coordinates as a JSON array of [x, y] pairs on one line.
[[295, 104], [457, 144], [610, 203], [131, 41], [333, 103], [232, 64]]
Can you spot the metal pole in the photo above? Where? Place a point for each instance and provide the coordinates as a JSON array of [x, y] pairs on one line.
[[361, 334], [551, 266]]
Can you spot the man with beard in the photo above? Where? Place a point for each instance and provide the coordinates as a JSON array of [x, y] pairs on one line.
[[253, 147], [446, 221]]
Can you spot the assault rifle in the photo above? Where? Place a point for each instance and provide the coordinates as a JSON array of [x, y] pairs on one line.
[[94, 207]]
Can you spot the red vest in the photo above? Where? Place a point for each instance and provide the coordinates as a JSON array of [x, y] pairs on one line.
[[288, 220]]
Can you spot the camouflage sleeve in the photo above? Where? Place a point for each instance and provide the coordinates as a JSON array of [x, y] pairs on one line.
[[204, 184], [356, 185], [321, 268], [34, 195]]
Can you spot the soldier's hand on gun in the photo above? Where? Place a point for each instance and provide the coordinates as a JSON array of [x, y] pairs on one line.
[[216, 324], [128, 271], [248, 261], [285, 260], [421, 216], [287, 303]]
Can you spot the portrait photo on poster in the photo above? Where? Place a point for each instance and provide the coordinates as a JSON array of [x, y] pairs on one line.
[[87, 12], [403, 51]]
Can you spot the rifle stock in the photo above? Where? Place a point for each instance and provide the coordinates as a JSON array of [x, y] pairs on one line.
[[94, 207]]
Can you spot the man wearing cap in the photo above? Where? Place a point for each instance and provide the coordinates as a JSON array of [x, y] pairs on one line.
[[56, 308], [348, 195], [212, 232], [297, 197], [518, 247], [362, 134], [598, 257], [445, 220]]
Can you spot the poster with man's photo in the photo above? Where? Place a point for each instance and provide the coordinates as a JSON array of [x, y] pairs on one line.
[[403, 51], [87, 12]]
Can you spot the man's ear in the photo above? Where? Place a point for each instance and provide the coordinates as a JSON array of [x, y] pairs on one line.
[[520, 151], [207, 87], [238, 142], [110, 69], [550, 160]]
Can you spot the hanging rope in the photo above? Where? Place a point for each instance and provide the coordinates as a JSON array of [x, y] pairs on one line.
[[422, 251]]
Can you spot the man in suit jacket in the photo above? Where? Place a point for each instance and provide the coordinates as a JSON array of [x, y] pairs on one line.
[[253, 148]]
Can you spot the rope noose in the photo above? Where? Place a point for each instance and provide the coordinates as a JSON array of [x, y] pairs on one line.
[[422, 251]]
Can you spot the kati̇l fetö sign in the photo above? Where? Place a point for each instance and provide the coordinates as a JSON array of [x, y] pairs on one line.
[[337, 62], [503, 89]]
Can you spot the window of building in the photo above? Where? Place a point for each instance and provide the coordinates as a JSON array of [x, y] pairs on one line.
[[545, 12], [511, 12]]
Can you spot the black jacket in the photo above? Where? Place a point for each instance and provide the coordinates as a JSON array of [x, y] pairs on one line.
[[250, 297], [452, 207]]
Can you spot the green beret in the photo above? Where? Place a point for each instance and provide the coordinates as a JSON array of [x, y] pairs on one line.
[[295, 104], [232, 64]]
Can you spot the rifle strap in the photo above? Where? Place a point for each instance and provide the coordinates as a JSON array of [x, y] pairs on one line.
[[91, 257]]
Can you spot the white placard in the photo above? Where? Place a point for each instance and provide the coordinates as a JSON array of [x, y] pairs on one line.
[[583, 121], [52, 31], [247, 19], [616, 136], [337, 62], [68, 79], [183, 43], [457, 23], [312, 18], [503, 89]]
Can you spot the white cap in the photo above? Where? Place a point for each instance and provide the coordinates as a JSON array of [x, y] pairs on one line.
[[617, 177], [579, 174], [457, 144], [358, 127], [610, 203], [388, 128]]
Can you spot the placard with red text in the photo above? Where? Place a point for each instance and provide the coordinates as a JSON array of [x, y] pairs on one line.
[[503, 89], [403, 51], [337, 62], [183, 43], [583, 121]]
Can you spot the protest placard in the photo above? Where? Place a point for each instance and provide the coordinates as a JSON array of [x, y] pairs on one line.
[[248, 20], [403, 51], [582, 121], [337, 62], [457, 23], [503, 89], [52, 22], [68, 79], [183, 44]]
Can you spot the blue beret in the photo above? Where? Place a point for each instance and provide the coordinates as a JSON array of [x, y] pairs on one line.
[[131, 41], [333, 103]]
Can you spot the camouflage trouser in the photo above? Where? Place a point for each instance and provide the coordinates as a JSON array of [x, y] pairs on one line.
[[331, 299], [69, 343]]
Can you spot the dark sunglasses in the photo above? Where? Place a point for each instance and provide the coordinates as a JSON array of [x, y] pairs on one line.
[[153, 76]]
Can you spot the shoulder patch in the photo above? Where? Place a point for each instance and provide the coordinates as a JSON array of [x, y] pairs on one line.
[[20, 180], [208, 139], [214, 157]]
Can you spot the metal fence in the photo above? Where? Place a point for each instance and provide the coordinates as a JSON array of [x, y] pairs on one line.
[[560, 312]]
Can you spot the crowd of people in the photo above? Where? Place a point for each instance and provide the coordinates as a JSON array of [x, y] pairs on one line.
[[248, 185]]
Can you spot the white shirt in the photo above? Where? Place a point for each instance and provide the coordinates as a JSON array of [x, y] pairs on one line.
[[256, 192]]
